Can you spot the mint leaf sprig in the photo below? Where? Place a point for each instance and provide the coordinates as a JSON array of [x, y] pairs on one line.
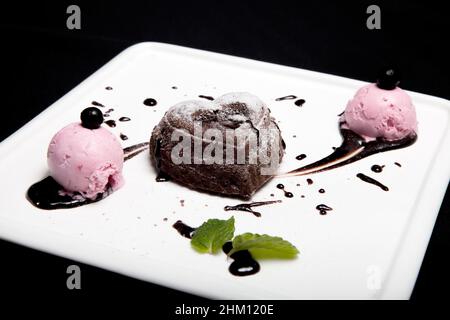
[[264, 246], [212, 234]]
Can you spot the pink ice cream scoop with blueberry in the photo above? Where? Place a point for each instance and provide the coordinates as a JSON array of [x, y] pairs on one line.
[[382, 110], [380, 117], [85, 162]]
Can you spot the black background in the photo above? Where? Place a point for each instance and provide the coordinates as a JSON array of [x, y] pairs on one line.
[[41, 60]]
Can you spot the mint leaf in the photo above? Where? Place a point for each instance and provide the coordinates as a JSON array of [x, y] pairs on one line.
[[264, 246], [211, 235]]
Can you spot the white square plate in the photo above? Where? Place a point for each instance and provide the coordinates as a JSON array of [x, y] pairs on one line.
[[369, 247]]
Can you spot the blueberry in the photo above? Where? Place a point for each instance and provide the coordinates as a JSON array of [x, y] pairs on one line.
[[91, 118], [388, 78]]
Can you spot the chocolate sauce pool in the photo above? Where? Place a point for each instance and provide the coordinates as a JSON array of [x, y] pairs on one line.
[[247, 207], [48, 194], [353, 148], [243, 264]]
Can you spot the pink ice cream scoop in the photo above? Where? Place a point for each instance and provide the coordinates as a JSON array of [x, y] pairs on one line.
[[86, 159], [381, 111]]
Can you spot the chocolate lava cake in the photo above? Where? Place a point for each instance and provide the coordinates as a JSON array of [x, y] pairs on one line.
[[235, 112]]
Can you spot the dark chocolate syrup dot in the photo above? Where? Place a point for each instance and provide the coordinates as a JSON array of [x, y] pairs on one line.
[[108, 88], [174, 87], [243, 264], [323, 209], [206, 97], [300, 102], [247, 207], [301, 156], [111, 123], [290, 97], [123, 137], [397, 164], [97, 104], [370, 180], [321, 190], [309, 181], [124, 119], [150, 102], [377, 168]]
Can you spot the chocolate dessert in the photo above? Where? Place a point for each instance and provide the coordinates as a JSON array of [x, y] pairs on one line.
[[220, 140]]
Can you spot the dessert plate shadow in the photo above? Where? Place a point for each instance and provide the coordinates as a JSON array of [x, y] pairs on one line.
[[370, 246]]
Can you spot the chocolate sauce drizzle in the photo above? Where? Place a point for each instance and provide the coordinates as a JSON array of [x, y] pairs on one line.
[[243, 264], [134, 150], [48, 194], [397, 164], [370, 180], [300, 102], [287, 194], [323, 209], [161, 176], [300, 157], [290, 97], [123, 137], [353, 148], [247, 207], [183, 229], [108, 88], [206, 97], [321, 190], [124, 119], [309, 181]]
